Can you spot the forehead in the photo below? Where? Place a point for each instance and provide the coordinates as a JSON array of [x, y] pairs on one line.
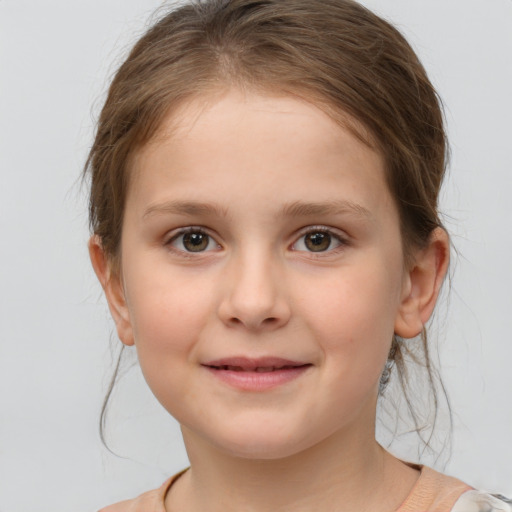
[[228, 105], [248, 142]]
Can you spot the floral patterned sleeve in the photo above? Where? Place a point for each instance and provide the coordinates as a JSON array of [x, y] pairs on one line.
[[477, 501]]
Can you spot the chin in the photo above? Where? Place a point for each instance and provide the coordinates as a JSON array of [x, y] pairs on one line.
[[255, 434], [261, 444]]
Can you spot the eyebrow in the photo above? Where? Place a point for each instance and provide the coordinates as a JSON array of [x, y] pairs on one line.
[[294, 209], [184, 208], [335, 207]]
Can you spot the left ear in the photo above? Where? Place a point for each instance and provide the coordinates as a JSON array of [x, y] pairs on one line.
[[113, 288], [422, 284]]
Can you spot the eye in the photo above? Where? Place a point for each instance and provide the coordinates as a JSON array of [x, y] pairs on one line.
[[318, 240], [193, 240]]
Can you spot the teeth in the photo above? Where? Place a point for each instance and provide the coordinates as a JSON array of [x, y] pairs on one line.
[[259, 369]]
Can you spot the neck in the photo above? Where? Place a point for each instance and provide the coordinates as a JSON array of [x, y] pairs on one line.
[[345, 472]]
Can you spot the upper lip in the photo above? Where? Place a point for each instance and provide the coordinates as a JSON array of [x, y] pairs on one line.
[[251, 364]]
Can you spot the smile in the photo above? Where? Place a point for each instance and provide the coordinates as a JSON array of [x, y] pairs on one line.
[[256, 374], [258, 369]]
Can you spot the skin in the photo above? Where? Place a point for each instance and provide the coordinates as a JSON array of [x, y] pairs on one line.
[[259, 290]]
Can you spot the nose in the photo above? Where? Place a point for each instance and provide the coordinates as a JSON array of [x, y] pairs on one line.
[[254, 295]]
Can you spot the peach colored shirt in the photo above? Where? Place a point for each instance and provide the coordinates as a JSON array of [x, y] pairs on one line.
[[433, 492]]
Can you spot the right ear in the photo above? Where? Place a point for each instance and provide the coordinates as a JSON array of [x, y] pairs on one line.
[[113, 288]]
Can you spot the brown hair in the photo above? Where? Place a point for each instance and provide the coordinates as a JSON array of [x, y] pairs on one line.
[[334, 53]]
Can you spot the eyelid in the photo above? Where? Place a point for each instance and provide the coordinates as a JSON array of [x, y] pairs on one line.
[[341, 237], [178, 232], [337, 234]]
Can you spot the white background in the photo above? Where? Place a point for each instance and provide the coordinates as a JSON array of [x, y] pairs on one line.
[[55, 59]]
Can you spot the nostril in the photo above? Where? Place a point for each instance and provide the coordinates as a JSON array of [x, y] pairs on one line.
[[266, 322]]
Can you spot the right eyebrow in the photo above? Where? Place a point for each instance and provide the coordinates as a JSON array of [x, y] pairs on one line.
[[336, 207], [184, 208]]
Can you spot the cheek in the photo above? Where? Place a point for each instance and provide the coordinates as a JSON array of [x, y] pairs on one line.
[[353, 317], [167, 314]]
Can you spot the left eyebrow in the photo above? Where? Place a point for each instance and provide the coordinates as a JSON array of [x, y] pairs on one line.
[[336, 207], [184, 208]]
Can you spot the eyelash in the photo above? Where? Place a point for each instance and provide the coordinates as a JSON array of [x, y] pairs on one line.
[[342, 241], [185, 231], [196, 230]]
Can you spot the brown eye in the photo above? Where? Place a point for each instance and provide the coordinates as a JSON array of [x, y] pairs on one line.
[[193, 240], [317, 241]]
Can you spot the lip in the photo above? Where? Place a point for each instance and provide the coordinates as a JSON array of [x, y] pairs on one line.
[[250, 364], [257, 374]]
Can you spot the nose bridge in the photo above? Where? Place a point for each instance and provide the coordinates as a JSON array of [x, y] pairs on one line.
[[255, 296]]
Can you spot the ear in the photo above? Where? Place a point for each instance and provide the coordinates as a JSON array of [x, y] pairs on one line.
[[422, 284], [113, 288]]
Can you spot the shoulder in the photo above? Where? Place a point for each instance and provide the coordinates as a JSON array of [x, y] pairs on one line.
[[435, 492], [478, 501], [151, 501]]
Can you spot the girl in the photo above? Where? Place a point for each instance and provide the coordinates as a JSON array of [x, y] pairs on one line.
[[264, 188]]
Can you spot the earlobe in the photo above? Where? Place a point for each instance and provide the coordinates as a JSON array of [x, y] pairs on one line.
[[113, 289], [422, 285]]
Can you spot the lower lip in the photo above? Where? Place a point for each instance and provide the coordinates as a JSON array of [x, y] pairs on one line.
[[258, 381]]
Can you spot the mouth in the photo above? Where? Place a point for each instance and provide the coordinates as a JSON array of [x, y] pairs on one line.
[[261, 365], [257, 369], [256, 374]]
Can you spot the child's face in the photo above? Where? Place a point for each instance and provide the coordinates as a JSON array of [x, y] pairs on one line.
[[291, 250]]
